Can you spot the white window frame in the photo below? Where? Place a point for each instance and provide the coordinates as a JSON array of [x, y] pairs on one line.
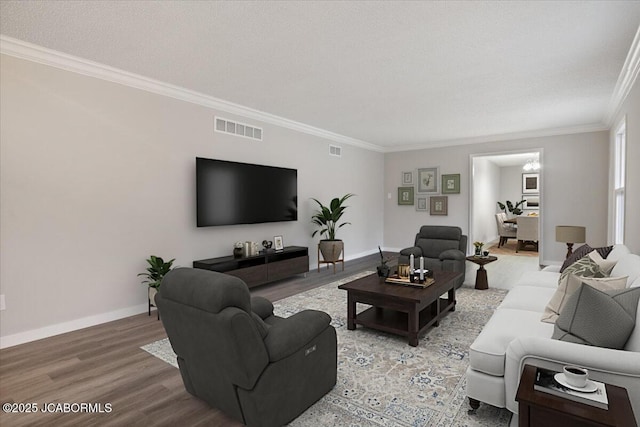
[[619, 178]]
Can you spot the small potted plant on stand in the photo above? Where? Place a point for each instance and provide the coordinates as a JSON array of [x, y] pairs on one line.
[[155, 273], [478, 246], [327, 218]]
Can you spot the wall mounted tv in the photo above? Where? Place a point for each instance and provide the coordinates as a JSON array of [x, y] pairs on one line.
[[240, 193]]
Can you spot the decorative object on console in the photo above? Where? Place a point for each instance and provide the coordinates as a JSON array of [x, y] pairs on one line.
[[153, 277], [439, 205], [451, 183], [267, 244], [279, 244], [405, 196], [327, 219], [570, 234], [238, 248], [428, 180]]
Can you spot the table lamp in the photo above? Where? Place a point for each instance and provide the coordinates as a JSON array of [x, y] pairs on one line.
[[570, 234]]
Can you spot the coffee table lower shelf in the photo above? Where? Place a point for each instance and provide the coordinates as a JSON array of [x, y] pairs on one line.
[[396, 322]]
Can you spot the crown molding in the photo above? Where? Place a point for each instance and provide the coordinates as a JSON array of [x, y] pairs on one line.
[[597, 127], [626, 80], [31, 52]]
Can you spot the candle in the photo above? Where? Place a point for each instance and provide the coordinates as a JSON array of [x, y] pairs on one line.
[[421, 268], [411, 263]]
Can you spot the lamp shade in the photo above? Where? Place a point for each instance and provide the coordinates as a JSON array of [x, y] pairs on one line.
[[570, 234]]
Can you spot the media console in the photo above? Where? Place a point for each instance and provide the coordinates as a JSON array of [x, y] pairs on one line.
[[267, 266]]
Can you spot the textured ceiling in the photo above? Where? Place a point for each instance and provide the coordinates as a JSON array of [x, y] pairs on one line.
[[394, 74]]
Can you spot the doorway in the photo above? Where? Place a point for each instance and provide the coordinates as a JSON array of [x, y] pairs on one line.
[[500, 177]]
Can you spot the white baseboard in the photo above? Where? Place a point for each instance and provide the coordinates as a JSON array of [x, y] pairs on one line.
[[72, 325]]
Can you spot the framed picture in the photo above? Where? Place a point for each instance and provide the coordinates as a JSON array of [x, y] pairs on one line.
[[421, 204], [428, 180], [278, 244], [451, 184], [530, 183], [407, 178], [531, 202], [405, 195], [439, 205]]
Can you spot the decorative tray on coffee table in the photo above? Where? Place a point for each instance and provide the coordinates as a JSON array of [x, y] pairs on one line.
[[397, 280]]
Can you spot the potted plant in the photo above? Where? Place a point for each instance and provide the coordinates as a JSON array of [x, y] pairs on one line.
[[327, 219], [155, 273], [510, 207], [478, 246]]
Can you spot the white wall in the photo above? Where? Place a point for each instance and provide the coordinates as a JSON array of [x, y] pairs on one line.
[[96, 176], [574, 177], [486, 184], [631, 110], [510, 185]]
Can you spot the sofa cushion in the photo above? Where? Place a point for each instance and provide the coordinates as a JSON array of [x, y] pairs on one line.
[[599, 318], [531, 298], [618, 252], [544, 279], [628, 265], [487, 353], [571, 285]]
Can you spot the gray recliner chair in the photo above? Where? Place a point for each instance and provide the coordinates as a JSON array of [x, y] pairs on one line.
[[443, 248], [234, 354]]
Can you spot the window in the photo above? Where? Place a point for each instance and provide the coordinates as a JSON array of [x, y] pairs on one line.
[[618, 183]]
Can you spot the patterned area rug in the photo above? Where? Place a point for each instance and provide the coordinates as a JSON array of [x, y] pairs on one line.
[[382, 381]]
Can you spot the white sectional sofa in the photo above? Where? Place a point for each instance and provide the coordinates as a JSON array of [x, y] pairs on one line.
[[515, 336]]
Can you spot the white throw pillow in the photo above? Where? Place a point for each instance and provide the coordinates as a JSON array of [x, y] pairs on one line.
[[606, 265], [572, 284]]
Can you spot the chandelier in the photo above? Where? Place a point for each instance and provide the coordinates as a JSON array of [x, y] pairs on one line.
[[531, 165]]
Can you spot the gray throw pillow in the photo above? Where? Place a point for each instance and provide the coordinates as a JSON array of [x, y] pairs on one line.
[[598, 318]]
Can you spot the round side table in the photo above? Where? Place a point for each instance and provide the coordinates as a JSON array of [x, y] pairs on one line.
[[481, 275]]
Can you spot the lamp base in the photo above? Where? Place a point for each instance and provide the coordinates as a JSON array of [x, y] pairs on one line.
[[569, 249]]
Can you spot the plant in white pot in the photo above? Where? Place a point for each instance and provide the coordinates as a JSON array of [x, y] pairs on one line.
[[155, 273], [327, 219]]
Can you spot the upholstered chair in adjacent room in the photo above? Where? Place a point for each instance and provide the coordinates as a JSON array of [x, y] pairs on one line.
[[443, 248], [527, 233], [234, 354], [505, 231]]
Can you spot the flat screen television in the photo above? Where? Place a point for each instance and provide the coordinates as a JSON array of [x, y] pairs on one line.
[[241, 193]]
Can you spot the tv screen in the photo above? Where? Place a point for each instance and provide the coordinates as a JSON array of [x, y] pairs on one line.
[[240, 193]]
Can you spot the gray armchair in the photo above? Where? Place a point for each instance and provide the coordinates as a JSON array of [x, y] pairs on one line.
[[443, 248], [234, 354]]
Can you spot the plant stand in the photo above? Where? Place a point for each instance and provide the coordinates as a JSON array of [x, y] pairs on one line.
[[152, 294], [341, 254]]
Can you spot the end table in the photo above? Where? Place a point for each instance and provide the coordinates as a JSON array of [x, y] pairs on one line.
[[481, 275], [537, 408]]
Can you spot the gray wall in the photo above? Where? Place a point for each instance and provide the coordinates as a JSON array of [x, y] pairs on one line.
[[486, 186], [96, 176], [574, 181]]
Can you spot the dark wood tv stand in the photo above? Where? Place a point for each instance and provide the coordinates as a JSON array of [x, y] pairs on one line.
[[266, 267]]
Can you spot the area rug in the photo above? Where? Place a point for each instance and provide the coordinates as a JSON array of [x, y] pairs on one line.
[[382, 381]]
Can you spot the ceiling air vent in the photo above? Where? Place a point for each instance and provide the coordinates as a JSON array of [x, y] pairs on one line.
[[335, 150], [238, 129]]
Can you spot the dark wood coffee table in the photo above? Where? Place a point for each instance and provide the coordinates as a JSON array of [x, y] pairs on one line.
[[401, 310]]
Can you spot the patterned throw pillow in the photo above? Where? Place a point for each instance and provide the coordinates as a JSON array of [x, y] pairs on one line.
[[585, 267], [605, 265], [598, 318], [575, 256]]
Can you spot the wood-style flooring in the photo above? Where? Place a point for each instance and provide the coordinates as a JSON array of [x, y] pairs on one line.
[[104, 365]]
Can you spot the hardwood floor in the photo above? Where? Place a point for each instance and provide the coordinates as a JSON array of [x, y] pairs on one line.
[[104, 365]]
